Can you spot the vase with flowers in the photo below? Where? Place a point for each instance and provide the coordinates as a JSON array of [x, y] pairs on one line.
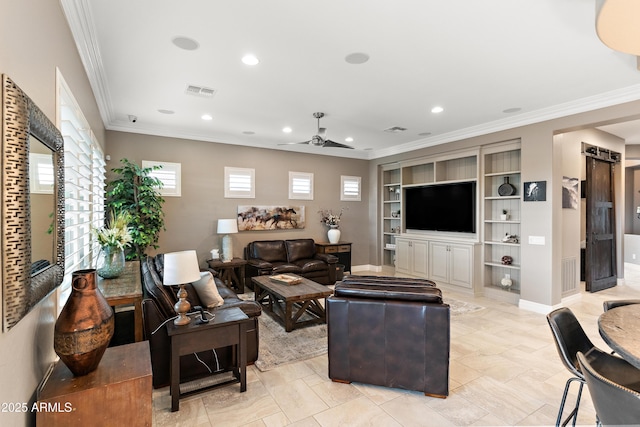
[[112, 240], [332, 221]]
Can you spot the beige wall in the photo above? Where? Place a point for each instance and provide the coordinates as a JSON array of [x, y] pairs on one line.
[[191, 220], [34, 40]]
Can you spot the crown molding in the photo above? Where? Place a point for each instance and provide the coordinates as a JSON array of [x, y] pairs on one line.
[[81, 23], [603, 100]]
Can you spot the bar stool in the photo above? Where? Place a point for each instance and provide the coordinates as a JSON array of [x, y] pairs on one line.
[[570, 339]]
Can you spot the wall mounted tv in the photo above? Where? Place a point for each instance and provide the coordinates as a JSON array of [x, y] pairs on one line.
[[441, 207]]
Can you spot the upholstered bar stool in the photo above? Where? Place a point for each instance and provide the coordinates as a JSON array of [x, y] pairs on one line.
[[570, 339]]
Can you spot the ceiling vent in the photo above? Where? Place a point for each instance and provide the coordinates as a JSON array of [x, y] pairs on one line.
[[395, 129], [200, 91]]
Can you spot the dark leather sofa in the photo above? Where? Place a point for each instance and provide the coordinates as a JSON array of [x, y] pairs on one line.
[[390, 332], [158, 307], [266, 257]]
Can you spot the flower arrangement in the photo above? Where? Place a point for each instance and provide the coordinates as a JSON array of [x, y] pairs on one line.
[[117, 234], [329, 218]]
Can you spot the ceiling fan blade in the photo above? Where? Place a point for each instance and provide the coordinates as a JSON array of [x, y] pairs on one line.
[[294, 143], [329, 143]]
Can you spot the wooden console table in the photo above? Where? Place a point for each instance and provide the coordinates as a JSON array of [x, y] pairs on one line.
[[341, 250], [126, 289], [118, 393], [228, 274], [229, 327]]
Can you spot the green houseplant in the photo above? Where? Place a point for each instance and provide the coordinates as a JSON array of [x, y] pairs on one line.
[[135, 191]]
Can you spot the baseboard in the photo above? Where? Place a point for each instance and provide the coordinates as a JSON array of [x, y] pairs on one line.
[[366, 267], [536, 307]]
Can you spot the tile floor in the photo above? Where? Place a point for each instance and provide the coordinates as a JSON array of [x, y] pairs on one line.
[[504, 371]]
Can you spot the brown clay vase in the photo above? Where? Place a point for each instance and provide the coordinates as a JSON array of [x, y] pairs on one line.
[[85, 325]]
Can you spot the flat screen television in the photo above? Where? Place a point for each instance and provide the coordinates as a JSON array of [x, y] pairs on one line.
[[441, 207]]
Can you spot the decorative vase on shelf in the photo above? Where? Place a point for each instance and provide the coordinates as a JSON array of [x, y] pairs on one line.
[[333, 234], [85, 325], [110, 262]]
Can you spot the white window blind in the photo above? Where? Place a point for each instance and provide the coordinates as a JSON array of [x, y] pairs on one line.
[[84, 170], [169, 175], [300, 185], [350, 188], [239, 183]]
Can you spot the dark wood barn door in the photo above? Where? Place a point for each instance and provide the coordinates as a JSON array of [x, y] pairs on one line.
[[600, 268]]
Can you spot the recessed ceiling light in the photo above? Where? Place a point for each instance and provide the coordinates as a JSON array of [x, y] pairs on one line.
[[356, 58], [166, 111], [348, 139], [207, 117], [249, 132], [250, 59], [512, 110], [185, 43], [424, 134], [287, 129], [437, 110]]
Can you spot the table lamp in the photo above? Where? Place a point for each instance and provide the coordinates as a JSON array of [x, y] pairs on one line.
[[181, 268], [226, 227]]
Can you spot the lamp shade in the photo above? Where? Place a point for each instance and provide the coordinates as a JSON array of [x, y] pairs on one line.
[[227, 226], [180, 268]]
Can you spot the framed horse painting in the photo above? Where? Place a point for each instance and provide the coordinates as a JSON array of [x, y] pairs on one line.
[[260, 218]]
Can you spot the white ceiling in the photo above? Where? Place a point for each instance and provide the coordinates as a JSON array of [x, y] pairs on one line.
[[473, 58]]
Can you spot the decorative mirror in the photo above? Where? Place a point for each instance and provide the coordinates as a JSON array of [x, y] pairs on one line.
[[32, 204]]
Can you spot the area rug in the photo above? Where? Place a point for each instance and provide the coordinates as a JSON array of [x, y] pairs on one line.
[[278, 347]]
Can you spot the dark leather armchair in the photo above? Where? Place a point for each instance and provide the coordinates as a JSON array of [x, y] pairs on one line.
[[157, 307], [266, 257], [389, 332]]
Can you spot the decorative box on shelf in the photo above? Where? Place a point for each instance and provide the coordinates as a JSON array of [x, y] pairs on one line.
[[390, 246]]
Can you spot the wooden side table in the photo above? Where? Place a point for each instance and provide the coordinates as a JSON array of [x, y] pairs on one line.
[[228, 274], [126, 289], [342, 250], [118, 393], [229, 327]]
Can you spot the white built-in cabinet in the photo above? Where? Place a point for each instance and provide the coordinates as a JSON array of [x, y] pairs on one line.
[[468, 262], [501, 164], [451, 263], [412, 257]]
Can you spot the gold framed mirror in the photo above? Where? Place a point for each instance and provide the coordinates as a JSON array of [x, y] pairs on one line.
[[25, 280]]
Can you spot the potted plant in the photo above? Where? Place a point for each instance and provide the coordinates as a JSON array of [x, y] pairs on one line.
[[113, 239], [135, 191], [505, 215]]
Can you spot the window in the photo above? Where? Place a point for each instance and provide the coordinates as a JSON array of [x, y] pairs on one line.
[[300, 185], [350, 188], [169, 175], [84, 170], [239, 183]]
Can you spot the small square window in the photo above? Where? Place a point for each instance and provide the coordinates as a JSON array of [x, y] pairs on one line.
[[239, 183], [350, 188], [300, 186], [41, 173], [170, 176]]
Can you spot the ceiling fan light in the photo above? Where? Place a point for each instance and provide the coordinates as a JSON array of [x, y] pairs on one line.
[[348, 139], [437, 109], [287, 129], [250, 59]]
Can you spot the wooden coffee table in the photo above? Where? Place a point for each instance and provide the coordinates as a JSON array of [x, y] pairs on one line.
[[288, 303]]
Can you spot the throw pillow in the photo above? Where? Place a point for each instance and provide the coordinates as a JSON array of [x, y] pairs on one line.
[[207, 290]]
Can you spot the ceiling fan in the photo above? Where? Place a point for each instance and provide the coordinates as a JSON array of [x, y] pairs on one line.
[[319, 140]]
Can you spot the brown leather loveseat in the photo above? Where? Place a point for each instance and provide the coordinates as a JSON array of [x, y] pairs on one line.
[[157, 307], [391, 332], [266, 257]]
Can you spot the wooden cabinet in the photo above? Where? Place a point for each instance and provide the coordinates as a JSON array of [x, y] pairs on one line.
[[341, 250], [411, 257], [502, 165], [451, 263], [118, 393]]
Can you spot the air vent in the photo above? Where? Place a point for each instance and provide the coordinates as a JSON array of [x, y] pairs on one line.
[[200, 91], [395, 129]]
